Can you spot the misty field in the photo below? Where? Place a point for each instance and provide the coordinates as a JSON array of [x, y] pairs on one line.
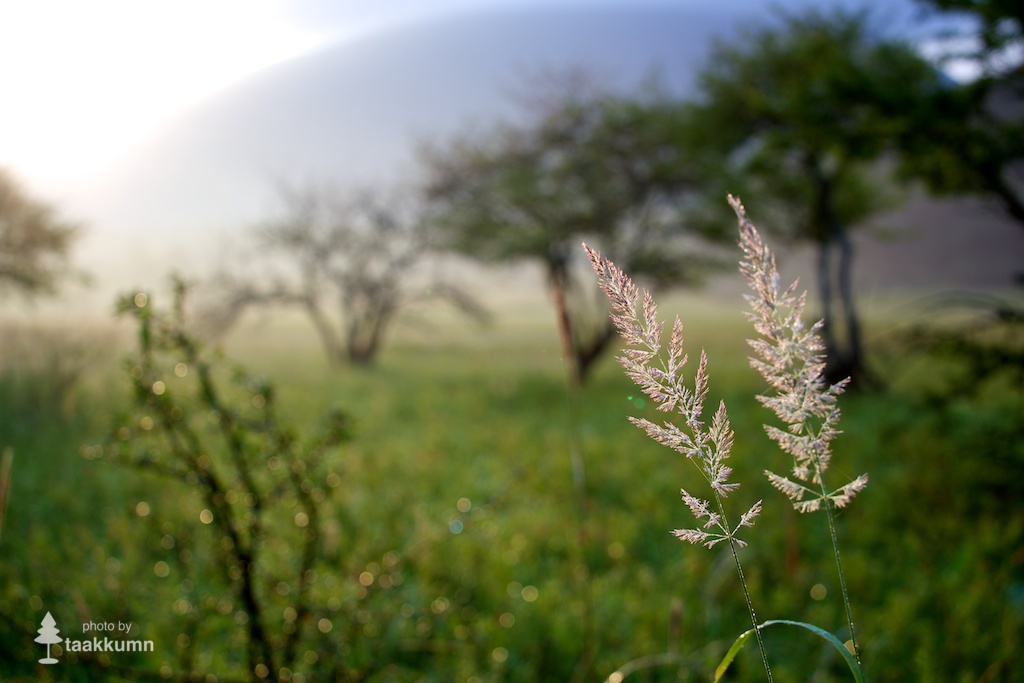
[[451, 543]]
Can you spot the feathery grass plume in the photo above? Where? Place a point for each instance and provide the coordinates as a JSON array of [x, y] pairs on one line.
[[662, 380], [789, 357]]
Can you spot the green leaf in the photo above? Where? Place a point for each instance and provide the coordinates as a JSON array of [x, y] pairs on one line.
[[858, 675]]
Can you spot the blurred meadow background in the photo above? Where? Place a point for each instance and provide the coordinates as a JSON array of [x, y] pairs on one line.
[[304, 373]]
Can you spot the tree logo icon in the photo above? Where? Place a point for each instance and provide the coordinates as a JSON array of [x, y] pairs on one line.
[[48, 635]]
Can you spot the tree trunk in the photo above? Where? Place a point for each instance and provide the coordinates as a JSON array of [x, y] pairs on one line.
[[1006, 193], [825, 297], [365, 334], [328, 338], [854, 347], [587, 353], [842, 359], [557, 275]]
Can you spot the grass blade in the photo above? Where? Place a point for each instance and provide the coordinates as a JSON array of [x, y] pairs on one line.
[[738, 644]]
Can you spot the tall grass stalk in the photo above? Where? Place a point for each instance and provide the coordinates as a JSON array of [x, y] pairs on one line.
[[789, 357], [707, 447], [5, 484]]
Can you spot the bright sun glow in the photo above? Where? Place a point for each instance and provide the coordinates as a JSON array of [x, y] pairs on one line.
[[85, 81]]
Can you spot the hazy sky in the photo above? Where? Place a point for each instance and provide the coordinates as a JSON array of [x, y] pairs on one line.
[[85, 81], [88, 88]]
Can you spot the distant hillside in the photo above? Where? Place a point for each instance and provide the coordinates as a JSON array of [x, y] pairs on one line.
[[355, 110]]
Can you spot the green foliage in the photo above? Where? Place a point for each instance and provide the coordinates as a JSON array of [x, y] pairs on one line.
[[795, 119], [585, 165], [259, 485], [738, 644], [931, 550], [590, 165], [968, 138], [796, 115], [1000, 23]]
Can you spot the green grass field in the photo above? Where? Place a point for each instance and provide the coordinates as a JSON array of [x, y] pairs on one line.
[[455, 549]]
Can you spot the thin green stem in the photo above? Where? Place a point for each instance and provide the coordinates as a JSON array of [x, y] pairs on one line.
[[839, 568], [743, 583], [579, 480]]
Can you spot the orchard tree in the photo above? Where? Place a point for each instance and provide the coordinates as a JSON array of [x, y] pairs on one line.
[[798, 117], [997, 31], [968, 137], [583, 164], [34, 241], [351, 259]]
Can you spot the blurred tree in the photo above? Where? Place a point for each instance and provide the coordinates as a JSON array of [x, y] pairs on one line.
[[968, 138], [797, 117], [34, 241], [364, 249], [585, 164], [998, 29]]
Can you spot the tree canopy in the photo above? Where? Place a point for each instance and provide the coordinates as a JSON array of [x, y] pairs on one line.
[[798, 117], [352, 259], [968, 138], [34, 241], [592, 166]]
